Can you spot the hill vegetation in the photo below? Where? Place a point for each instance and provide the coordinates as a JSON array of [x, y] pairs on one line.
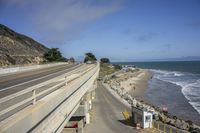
[[90, 57], [106, 68], [54, 55], [18, 49]]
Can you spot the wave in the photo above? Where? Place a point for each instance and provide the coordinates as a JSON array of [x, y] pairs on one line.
[[190, 84]]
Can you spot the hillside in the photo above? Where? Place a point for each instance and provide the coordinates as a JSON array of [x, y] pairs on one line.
[[17, 49]]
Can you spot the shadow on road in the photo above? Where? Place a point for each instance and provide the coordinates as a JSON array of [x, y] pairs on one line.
[[126, 122]]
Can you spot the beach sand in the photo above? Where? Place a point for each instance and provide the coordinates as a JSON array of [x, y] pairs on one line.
[[135, 83], [138, 83]]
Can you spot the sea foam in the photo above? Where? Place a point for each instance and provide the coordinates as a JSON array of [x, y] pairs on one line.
[[190, 84]]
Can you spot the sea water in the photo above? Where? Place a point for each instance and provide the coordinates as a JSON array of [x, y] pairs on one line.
[[175, 85]]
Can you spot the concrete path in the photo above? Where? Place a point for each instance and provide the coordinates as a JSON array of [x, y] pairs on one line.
[[107, 114]]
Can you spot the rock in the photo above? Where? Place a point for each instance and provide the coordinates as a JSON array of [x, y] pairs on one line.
[[158, 112]]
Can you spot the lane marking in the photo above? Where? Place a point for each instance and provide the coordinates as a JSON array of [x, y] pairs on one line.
[[35, 79], [28, 73]]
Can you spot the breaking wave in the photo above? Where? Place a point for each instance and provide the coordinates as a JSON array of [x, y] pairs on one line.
[[190, 84]]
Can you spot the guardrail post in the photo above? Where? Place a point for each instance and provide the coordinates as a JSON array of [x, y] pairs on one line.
[[170, 130], [34, 97], [164, 129]]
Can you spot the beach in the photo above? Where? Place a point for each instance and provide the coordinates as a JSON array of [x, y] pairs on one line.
[[144, 85], [133, 82]]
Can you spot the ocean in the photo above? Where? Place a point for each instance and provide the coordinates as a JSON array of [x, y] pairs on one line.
[[175, 85]]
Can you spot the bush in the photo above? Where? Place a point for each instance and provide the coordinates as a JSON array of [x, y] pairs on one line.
[[104, 60], [118, 67]]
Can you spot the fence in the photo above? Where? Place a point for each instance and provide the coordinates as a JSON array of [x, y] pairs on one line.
[[164, 128]]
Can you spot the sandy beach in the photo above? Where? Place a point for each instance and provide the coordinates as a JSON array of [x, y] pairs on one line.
[[141, 85], [133, 82]]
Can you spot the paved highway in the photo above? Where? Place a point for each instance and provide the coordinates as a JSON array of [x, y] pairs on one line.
[[13, 83], [106, 114]]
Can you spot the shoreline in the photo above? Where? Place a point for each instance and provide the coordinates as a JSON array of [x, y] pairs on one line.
[[134, 85], [133, 82], [172, 97]]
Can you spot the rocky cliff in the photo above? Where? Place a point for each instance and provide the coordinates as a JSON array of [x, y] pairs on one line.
[[17, 49]]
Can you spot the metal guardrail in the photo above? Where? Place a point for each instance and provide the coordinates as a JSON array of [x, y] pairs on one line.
[[33, 96], [164, 128]]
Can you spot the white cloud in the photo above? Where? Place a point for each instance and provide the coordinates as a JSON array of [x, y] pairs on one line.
[[63, 20]]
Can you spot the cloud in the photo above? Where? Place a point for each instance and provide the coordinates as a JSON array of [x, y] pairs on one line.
[[62, 20]]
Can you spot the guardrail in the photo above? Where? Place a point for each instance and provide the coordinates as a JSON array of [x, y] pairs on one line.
[[32, 94], [164, 128]]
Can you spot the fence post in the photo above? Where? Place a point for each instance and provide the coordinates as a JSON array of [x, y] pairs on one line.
[[170, 130], [34, 97], [164, 129], [152, 124]]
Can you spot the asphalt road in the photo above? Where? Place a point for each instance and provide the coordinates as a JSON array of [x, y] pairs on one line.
[[107, 114], [12, 83]]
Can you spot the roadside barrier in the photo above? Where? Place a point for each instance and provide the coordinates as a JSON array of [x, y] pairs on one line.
[[18, 68], [31, 95], [164, 128], [126, 115]]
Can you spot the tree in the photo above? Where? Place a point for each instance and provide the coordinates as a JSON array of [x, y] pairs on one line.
[[104, 60], [89, 57], [72, 60], [117, 67], [54, 55]]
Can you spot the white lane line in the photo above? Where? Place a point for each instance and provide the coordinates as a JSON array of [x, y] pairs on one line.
[[35, 79]]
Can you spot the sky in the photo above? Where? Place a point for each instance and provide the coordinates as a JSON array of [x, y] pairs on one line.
[[122, 30]]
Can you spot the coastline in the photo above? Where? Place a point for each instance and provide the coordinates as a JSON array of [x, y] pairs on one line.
[[133, 82], [134, 85], [165, 94]]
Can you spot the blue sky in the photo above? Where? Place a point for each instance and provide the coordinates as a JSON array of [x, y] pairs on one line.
[[122, 30]]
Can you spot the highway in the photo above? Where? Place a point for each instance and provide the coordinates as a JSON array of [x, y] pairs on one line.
[[50, 103], [106, 114], [13, 83]]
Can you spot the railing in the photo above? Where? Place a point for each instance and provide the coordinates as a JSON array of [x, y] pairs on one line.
[[17, 101], [164, 128]]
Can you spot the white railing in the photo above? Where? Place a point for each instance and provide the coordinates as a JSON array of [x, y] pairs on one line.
[[73, 93], [60, 81]]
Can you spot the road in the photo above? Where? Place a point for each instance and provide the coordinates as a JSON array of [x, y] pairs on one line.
[[13, 83], [16, 82], [107, 114]]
